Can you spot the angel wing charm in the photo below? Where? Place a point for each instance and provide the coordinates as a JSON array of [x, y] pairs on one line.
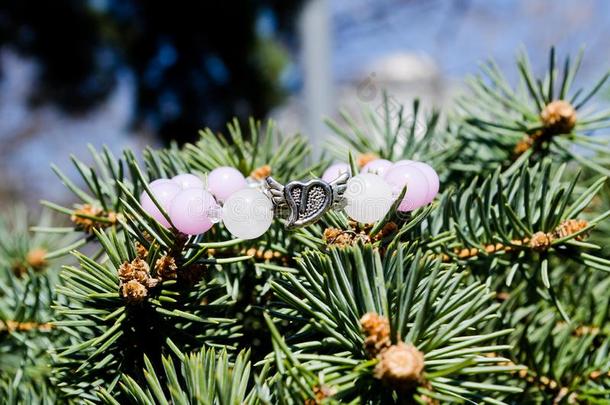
[[275, 190], [339, 185], [304, 203]]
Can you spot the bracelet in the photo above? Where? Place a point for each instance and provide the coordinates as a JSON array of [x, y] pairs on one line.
[[247, 207]]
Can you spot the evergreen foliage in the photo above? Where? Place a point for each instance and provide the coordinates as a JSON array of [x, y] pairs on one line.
[[494, 293]]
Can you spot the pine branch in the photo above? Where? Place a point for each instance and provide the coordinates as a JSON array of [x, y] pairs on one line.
[[27, 278], [564, 360], [393, 135], [206, 376], [127, 305], [549, 119], [505, 225], [448, 303], [425, 303]]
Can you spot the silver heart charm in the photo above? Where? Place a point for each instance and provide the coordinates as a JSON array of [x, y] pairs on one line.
[[307, 201], [303, 203]]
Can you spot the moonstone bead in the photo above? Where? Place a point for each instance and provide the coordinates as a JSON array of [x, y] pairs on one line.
[[432, 177], [334, 171], [224, 181], [377, 166], [188, 180], [247, 213], [191, 210], [416, 182], [368, 197], [164, 192]]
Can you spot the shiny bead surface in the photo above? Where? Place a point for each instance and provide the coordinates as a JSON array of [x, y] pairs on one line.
[[368, 198], [377, 166], [164, 192], [334, 171], [416, 182], [191, 210], [188, 180], [247, 213], [224, 181]]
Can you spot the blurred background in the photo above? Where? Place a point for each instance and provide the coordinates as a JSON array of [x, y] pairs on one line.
[[131, 73]]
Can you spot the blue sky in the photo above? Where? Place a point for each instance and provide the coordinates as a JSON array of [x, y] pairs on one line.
[[458, 34]]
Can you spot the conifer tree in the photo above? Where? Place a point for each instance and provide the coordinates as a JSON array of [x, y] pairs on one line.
[[494, 293]]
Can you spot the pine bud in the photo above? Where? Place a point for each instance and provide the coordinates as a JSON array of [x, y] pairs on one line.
[[365, 158], [558, 117], [135, 276], [400, 366], [18, 269], [261, 173], [140, 265], [541, 241], [523, 145], [376, 330], [571, 226], [166, 267], [88, 224], [126, 272], [36, 258], [141, 250], [343, 238], [387, 230], [134, 292]]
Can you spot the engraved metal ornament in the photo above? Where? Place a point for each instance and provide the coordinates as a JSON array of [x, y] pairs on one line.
[[303, 203]]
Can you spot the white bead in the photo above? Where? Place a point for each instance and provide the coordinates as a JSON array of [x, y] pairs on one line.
[[368, 198], [247, 213]]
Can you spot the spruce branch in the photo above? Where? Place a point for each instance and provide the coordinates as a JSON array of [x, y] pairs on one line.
[[27, 280], [392, 135], [263, 151], [449, 303], [564, 359], [426, 304], [504, 124], [205, 376], [124, 306], [519, 223]]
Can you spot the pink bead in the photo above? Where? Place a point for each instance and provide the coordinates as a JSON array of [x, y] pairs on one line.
[[191, 210], [335, 171], [432, 177], [224, 181], [188, 180], [164, 191], [377, 166], [416, 182]]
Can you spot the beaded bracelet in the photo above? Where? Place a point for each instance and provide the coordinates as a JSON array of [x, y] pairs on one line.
[[247, 207]]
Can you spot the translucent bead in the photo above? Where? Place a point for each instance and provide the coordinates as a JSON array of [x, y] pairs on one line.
[[164, 192], [432, 177], [368, 198], [188, 180], [191, 209], [247, 213], [335, 171], [416, 182], [224, 181], [377, 166]]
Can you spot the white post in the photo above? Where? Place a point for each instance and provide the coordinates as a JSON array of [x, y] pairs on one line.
[[316, 54]]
